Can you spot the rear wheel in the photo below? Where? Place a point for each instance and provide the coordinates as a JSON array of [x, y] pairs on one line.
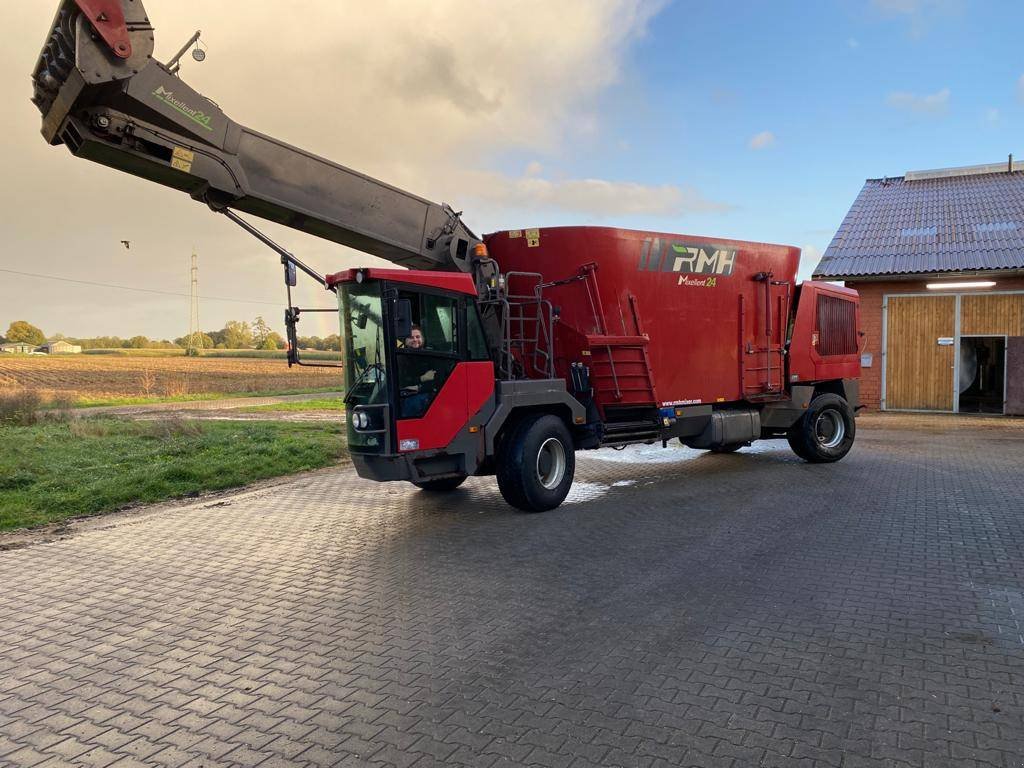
[[440, 486], [537, 464], [825, 432]]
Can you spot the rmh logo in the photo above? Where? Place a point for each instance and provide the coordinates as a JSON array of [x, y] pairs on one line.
[[690, 258]]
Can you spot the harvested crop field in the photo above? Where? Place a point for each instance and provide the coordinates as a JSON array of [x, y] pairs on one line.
[[79, 377]]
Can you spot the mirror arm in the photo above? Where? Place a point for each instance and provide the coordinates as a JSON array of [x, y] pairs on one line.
[[291, 319], [289, 261]]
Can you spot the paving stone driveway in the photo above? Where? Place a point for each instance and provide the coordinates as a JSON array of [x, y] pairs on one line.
[[683, 609]]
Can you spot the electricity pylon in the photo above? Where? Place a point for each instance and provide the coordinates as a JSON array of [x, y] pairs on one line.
[[195, 342]]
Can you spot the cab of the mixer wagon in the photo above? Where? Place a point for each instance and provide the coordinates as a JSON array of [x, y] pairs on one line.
[[417, 370]]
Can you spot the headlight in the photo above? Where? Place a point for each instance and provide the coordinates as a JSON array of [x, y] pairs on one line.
[[360, 420]]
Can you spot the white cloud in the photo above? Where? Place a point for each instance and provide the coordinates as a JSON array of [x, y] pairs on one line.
[[590, 197], [919, 13], [762, 140], [391, 87], [534, 168], [810, 255], [931, 104], [421, 95]]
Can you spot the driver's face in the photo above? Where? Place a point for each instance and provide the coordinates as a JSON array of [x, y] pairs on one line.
[[415, 340]]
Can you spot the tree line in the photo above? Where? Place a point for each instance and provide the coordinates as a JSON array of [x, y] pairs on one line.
[[236, 334]]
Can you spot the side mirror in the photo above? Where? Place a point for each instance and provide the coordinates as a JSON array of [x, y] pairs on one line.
[[290, 274], [291, 317], [403, 318]]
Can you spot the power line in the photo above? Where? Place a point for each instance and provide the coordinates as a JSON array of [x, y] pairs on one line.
[[140, 290]]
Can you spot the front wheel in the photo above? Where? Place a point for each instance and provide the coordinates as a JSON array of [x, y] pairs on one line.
[[536, 464], [440, 486], [825, 432]]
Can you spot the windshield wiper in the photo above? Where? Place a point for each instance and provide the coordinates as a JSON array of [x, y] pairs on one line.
[[359, 380]]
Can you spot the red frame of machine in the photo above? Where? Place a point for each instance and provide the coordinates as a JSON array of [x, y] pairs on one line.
[[706, 312], [696, 337], [458, 282]]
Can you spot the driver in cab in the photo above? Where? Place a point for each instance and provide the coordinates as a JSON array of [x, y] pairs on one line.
[[417, 377]]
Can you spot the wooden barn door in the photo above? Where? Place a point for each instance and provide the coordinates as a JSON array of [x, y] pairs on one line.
[[919, 370]]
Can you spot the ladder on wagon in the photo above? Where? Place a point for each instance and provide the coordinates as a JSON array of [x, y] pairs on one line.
[[762, 359]]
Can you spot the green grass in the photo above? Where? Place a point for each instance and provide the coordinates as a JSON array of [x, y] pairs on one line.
[[92, 402], [318, 404], [60, 469]]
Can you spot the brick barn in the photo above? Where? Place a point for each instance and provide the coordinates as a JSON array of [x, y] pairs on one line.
[[938, 259]]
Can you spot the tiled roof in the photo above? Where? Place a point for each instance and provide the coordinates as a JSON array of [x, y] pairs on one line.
[[921, 224]]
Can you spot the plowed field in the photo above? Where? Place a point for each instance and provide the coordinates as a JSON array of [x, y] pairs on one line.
[[95, 376]]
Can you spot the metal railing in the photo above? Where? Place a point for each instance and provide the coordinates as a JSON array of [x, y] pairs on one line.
[[527, 328]]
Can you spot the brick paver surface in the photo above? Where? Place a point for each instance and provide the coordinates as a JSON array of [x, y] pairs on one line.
[[682, 609]]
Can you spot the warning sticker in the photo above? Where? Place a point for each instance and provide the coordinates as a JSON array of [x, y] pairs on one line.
[[533, 234], [515, 233], [182, 158]]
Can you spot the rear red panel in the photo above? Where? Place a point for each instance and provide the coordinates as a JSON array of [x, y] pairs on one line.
[[826, 334], [715, 330]]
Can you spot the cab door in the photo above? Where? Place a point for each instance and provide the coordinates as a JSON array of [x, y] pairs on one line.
[[441, 380]]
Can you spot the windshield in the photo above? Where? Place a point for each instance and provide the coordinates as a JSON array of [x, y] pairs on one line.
[[364, 351]]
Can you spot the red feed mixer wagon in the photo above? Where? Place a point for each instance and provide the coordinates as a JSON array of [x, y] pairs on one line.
[[501, 355]]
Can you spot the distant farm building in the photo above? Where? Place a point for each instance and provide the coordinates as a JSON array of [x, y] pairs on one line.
[[938, 259], [60, 348], [18, 348]]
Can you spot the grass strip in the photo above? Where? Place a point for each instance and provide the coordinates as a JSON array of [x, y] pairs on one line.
[[93, 402], [60, 469]]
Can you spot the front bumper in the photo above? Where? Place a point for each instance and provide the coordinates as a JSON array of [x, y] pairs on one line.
[[414, 466]]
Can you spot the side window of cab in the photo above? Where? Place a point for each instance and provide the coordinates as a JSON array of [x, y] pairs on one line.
[[427, 357], [476, 341]]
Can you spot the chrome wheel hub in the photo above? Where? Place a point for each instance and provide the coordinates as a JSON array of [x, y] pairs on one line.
[[829, 429], [551, 463]]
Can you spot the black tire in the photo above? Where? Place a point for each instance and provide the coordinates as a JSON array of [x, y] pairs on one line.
[[730, 448], [826, 431], [536, 464], [443, 485]]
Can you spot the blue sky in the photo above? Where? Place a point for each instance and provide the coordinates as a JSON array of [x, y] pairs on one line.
[[838, 92]]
